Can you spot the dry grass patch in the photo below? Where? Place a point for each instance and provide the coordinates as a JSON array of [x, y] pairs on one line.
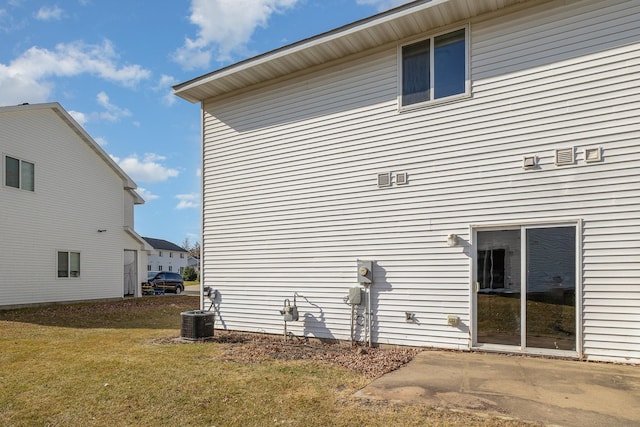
[[111, 364]]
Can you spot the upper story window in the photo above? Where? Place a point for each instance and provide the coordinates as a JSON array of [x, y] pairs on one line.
[[170, 254], [435, 68], [159, 253], [181, 255], [19, 173]]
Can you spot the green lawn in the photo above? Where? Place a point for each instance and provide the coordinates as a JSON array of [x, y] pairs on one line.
[[119, 364]]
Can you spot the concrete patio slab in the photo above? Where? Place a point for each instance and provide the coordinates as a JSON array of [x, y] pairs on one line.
[[547, 391]]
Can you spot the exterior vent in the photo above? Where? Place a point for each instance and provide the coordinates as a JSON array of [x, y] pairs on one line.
[[196, 325], [592, 154], [564, 157], [529, 162], [384, 180], [402, 178]]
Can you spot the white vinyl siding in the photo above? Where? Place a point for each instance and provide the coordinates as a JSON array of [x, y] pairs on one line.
[[291, 199], [54, 218]]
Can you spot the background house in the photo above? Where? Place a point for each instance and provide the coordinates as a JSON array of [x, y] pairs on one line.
[[67, 209], [195, 263], [166, 256], [481, 157]]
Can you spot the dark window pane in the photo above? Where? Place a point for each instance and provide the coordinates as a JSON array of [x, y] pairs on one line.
[[415, 73], [449, 64], [63, 264], [12, 174]]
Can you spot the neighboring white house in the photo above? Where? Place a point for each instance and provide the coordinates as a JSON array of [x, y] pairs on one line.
[[66, 213], [166, 256], [483, 155]]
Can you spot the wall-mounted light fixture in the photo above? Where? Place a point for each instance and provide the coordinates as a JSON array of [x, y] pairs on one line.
[[452, 240]]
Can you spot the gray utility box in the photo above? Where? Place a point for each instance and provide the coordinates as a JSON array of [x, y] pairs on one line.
[[196, 325]]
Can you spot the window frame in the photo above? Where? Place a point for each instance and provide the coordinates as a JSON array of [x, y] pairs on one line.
[[20, 161], [69, 271], [432, 101]]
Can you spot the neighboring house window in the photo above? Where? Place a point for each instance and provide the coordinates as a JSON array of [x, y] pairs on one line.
[[19, 173], [170, 254], [68, 264], [181, 270], [434, 68], [181, 255], [148, 267], [159, 253], [159, 268], [170, 268]]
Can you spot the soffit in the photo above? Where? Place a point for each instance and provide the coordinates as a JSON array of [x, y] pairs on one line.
[[414, 18]]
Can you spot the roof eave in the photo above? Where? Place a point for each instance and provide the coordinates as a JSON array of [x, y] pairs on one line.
[[186, 90], [128, 183]]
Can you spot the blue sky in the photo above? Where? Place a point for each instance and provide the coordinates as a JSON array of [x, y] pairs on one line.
[[111, 64]]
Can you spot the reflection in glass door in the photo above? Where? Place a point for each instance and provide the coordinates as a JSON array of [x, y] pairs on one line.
[[551, 288], [498, 287], [535, 309]]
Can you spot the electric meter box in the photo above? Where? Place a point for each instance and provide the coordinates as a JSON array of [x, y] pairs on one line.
[[355, 296], [365, 272]]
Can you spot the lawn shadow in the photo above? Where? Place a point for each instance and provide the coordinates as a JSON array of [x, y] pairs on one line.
[[153, 312]]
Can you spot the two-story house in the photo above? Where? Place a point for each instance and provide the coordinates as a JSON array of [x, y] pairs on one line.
[[471, 166], [66, 213], [166, 256]]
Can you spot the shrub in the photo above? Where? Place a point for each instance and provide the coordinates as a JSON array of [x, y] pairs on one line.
[[189, 274]]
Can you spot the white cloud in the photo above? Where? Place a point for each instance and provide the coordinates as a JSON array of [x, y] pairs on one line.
[[188, 201], [149, 169], [382, 5], [164, 85], [28, 77], [224, 28], [79, 117], [113, 113], [146, 194], [46, 13]]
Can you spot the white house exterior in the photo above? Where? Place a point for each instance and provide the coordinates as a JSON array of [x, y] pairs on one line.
[[66, 213], [166, 256], [499, 206]]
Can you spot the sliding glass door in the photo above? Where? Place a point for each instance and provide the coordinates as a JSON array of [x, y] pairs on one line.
[[526, 287]]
